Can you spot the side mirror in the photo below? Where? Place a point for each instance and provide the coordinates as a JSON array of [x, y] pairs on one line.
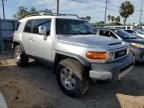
[[42, 30]]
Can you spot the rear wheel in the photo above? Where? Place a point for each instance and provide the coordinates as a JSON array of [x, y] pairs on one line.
[[70, 78], [20, 58]]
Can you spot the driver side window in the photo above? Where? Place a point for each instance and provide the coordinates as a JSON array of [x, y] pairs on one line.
[[41, 22], [112, 35], [107, 33]]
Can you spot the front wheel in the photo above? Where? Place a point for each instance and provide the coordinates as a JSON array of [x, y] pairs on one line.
[[70, 78]]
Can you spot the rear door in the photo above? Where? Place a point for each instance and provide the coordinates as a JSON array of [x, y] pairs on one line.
[[26, 34]]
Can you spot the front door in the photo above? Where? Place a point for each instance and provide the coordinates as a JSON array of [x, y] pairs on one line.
[[40, 45]]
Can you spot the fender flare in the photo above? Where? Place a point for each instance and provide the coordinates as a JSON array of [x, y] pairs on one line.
[[20, 43], [82, 60]]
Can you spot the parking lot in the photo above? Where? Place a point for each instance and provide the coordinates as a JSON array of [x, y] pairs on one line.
[[35, 87]]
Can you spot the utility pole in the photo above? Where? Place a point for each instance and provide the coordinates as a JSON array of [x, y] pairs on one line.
[[106, 10], [3, 8], [1, 40], [58, 6], [141, 12]]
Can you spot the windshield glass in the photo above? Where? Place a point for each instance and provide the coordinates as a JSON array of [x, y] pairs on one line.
[[124, 35], [140, 31], [74, 27]]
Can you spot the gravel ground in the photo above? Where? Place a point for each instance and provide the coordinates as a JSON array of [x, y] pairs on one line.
[[35, 87]]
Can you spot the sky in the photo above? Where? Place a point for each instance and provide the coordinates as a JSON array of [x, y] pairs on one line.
[[93, 8]]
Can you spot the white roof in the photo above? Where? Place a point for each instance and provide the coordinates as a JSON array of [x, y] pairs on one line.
[[39, 17]]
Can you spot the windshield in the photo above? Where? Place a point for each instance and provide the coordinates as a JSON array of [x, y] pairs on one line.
[[74, 27], [124, 35], [140, 31]]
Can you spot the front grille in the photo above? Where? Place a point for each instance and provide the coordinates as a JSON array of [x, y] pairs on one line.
[[120, 53]]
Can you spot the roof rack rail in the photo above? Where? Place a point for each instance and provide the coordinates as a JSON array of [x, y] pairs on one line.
[[38, 13], [48, 12], [55, 14]]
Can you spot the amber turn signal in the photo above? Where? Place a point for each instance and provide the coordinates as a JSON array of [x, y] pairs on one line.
[[96, 55]]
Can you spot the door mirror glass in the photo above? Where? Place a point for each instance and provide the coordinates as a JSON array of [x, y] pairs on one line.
[[42, 30]]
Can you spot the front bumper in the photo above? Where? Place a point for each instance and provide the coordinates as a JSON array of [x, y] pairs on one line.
[[112, 71], [138, 53]]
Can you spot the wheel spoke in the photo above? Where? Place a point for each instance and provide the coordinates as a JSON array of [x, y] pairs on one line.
[[63, 76], [73, 81], [17, 55], [70, 86], [67, 78]]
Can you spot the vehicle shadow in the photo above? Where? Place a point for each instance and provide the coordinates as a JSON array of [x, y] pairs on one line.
[[139, 64]]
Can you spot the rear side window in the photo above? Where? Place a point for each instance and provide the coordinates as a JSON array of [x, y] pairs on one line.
[[17, 26], [28, 26], [129, 31], [41, 22]]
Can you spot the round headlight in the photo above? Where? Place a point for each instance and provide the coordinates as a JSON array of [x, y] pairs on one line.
[[110, 56], [137, 45]]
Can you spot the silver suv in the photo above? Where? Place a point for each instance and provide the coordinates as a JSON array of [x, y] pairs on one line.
[[76, 54]]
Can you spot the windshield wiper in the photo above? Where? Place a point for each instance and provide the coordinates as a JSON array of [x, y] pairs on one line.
[[89, 33], [80, 33], [130, 38], [83, 33], [134, 37]]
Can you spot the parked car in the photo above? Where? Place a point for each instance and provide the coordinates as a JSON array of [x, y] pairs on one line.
[[120, 27], [136, 32], [75, 53], [137, 44]]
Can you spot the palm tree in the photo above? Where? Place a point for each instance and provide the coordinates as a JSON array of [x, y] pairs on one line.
[[88, 18], [47, 12], [118, 19], [33, 11], [109, 17], [21, 13], [126, 9], [112, 18]]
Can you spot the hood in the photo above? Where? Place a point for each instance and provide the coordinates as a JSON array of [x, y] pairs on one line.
[[139, 40], [90, 40]]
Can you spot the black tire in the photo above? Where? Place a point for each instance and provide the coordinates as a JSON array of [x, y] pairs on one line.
[[103, 81], [81, 81], [20, 58]]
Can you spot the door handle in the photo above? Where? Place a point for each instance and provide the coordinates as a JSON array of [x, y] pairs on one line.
[[31, 39]]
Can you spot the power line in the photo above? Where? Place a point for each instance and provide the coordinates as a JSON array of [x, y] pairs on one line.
[[86, 3], [92, 4], [105, 7]]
